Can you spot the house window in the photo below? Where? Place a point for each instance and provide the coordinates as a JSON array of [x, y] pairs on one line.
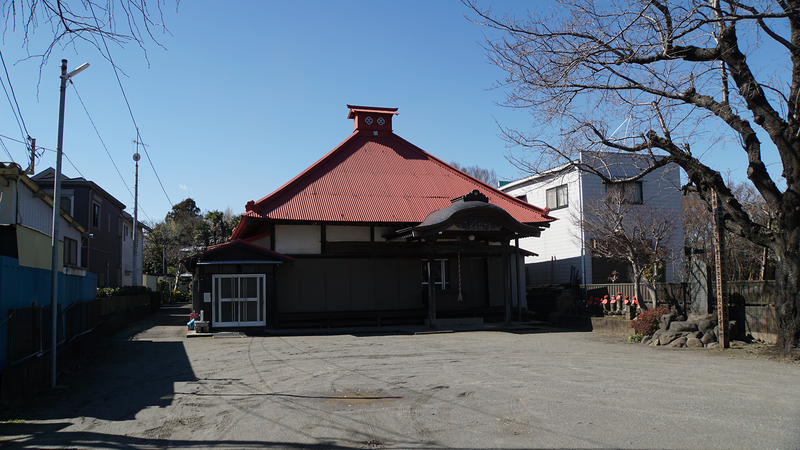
[[70, 251], [523, 197], [629, 192], [557, 197], [441, 270], [125, 232], [66, 204], [96, 215]]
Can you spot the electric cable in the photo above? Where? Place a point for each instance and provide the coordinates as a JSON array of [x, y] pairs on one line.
[[15, 105], [45, 149], [101, 138], [130, 110]]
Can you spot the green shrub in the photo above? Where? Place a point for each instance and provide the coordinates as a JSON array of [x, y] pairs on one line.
[[178, 296], [647, 322], [636, 337], [121, 291]]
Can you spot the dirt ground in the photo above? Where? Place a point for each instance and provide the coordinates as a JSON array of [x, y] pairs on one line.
[[152, 387]]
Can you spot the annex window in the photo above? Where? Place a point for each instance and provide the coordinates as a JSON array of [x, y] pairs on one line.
[[557, 197], [70, 251], [96, 215], [441, 270], [630, 192]]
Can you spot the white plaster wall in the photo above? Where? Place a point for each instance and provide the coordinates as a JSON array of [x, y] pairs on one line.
[[127, 253], [298, 239], [337, 233]]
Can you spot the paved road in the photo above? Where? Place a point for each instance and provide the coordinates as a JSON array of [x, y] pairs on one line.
[[151, 387]]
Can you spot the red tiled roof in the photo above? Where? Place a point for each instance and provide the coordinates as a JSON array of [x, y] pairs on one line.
[[383, 178]]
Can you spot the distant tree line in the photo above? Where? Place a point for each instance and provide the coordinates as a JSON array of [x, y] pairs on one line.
[[183, 232]]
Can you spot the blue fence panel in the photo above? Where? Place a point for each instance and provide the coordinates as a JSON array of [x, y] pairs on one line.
[[22, 287]]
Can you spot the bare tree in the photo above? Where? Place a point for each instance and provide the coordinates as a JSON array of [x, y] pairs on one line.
[[679, 75], [744, 259], [639, 235], [97, 23], [488, 176]]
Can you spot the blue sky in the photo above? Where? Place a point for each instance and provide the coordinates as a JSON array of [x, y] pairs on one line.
[[243, 97]]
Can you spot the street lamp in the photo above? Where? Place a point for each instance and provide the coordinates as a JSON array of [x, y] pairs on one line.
[[57, 218]]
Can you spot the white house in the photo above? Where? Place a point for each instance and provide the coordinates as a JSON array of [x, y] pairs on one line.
[[128, 269], [26, 224], [567, 191]]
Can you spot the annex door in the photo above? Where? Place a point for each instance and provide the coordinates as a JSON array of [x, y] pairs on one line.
[[239, 300]]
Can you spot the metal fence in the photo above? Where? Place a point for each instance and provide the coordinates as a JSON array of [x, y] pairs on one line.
[[29, 329], [81, 318], [29, 332]]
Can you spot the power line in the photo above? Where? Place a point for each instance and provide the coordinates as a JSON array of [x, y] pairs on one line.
[[130, 110], [43, 149], [6, 149], [14, 106], [73, 165], [101, 138]]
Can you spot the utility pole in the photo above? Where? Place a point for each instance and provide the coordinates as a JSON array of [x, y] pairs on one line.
[[57, 217], [33, 156], [137, 274]]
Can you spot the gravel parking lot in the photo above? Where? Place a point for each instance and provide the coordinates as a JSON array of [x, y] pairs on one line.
[[151, 387]]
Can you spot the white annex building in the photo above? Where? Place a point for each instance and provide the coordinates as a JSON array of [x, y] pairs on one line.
[[566, 191]]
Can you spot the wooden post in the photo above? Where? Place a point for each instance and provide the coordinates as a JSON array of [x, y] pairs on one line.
[[719, 260], [431, 290], [506, 282], [520, 268]]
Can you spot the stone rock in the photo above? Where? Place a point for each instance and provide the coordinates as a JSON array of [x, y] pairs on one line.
[[646, 340], [712, 345], [658, 334], [705, 325], [693, 342], [709, 337], [667, 337], [697, 317], [666, 319], [682, 326], [696, 334], [678, 343]]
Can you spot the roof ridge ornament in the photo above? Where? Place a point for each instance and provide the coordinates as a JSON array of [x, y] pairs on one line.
[[371, 118], [474, 196]]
